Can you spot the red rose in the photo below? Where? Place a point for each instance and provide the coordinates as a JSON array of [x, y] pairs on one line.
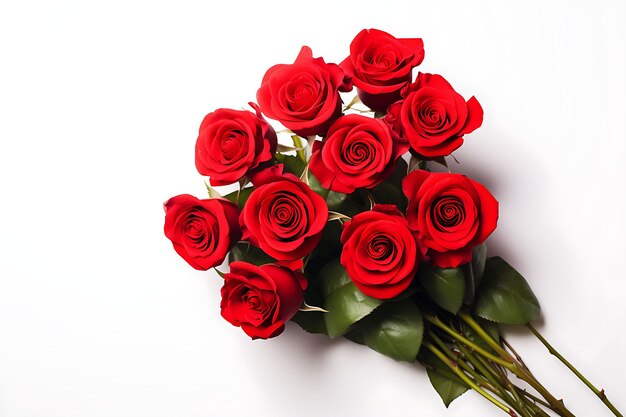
[[358, 152], [304, 96], [380, 66], [433, 117], [379, 252], [450, 214], [202, 231], [283, 216], [231, 143], [260, 299]]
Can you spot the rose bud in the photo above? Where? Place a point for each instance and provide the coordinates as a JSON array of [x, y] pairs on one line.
[[358, 152], [381, 65], [433, 117], [231, 143], [283, 216], [202, 231], [450, 214], [304, 96], [260, 299], [379, 252]]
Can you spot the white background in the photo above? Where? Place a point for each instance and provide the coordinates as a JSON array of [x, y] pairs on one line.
[[99, 108]]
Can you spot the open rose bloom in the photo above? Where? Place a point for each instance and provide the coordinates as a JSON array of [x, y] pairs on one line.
[[353, 222]]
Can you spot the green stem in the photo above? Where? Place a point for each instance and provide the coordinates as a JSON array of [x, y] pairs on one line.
[[491, 369], [514, 352], [484, 335], [534, 408], [297, 141], [501, 390], [557, 405], [454, 357], [443, 372], [459, 337], [599, 392], [487, 367], [453, 366], [533, 397]]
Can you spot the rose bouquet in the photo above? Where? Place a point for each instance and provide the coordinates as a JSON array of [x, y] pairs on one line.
[[360, 229]]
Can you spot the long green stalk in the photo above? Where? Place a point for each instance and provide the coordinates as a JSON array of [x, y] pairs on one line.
[[498, 385], [599, 392]]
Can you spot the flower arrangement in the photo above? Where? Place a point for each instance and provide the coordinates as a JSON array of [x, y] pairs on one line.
[[352, 232]]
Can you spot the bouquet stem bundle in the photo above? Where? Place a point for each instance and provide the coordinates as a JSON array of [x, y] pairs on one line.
[[486, 363]]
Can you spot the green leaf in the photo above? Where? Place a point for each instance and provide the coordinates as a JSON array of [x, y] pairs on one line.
[[445, 286], [395, 330], [447, 384], [504, 295], [399, 173], [310, 321], [244, 194], [479, 258], [355, 335], [470, 284], [348, 204], [345, 303], [490, 327], [292, 163], [390, 190], [388, 193], [243, 251], [448, 388], [335, 201], [474, 272], [326, 251], [316, 186], [430, 361]]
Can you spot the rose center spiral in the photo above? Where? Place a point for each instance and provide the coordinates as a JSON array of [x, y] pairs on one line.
[[252, 300], [381, 247], [284, 212], [231, 145], [447, 212], [301, 93], [382, 58], [357, 152]]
